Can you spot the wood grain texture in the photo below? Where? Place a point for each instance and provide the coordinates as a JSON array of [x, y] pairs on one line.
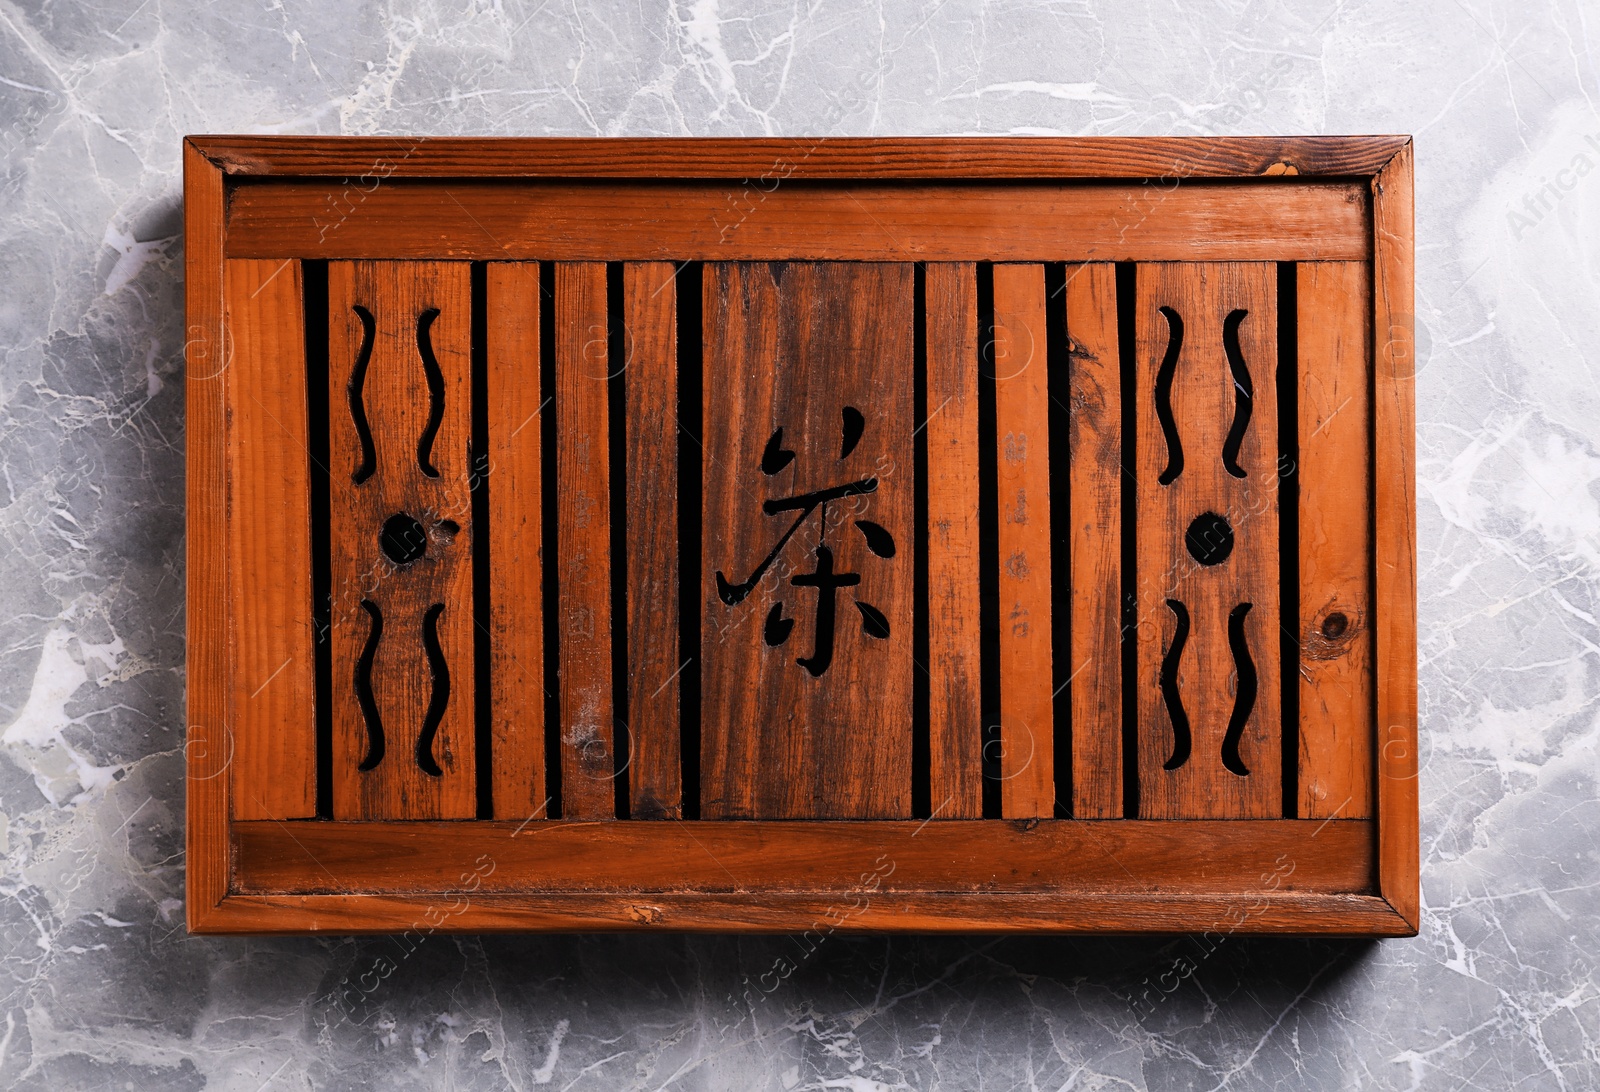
[[1022, 437], [866, 221], [368, 160], [954, 715], [650, 299], [583, 537], [209, 746], [1394, 484], [1337, 740], [806, 712], [404, 624], [516, 520], [1208, 672], [274, 768], [1095, 443]]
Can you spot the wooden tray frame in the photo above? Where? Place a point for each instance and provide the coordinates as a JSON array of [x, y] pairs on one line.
[[1331, 877]]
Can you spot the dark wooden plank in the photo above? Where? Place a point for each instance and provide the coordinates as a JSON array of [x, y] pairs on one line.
[[866, 221], [370, 161], [207, 748], [1095, 443], [1208, 778], [583, 536], [1394, 485], [650, 381], [1022, 436], [1335, 480], [806, 704], [955, 725], [1062, 856], [274, 767], [419, 658], [516, 517]]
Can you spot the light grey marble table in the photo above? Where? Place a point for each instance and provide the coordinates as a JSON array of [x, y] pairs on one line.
[[102, 987]]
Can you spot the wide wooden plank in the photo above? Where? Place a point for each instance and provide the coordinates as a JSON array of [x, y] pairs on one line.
[[1022, 436], [650, 379], [1209, 698], [867, 221], [806, 544], [402, 637], [516, 520], [1335, 483], [955, 736], [274, 767], [583, 537], [1061, 856], [1095, 442]]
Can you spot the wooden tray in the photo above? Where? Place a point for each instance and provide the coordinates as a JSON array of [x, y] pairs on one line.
[[796, 535]]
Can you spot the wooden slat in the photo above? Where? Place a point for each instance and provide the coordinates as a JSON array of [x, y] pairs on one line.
[[1022, 433], [1207, 679], [1164, 160], [208, 748], [397, 403], [654, 663], [1095, 432], [792, 347], [1066, 857], [583, 536], [274, 768], [516, 516], [1335, 480], [868, 221], [954, 716], [1394, 482]]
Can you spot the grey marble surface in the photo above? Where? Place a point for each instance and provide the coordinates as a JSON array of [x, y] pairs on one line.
[[102, 987]]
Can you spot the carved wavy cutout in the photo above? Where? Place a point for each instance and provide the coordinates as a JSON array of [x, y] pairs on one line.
[[1243, 393], [1163, 397], [1169, 688], [440, 699], [430, 366], [363, 684], [1244, 699], [353, 393]]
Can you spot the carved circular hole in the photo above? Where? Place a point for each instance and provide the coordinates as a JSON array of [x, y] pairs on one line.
[[403, 539], [1209, 538], [1335, 625]]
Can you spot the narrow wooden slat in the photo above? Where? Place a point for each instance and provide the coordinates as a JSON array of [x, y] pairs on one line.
[[867, 221], [654, 663], [583, 536], [806, 712], [516, 513], [1394, 483], [419, 659], [1022, 433], [1095, 439], [1335, 479], [1066, 857], [954, 716], [208, 747], [1208, 676], [274, 768]]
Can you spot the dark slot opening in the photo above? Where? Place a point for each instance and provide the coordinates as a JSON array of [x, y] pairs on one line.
[[921, 746], [690, 360], [1058, 370], [988, 549], [551, 579], [478, 481], [1288, 379], [1128, 358], [314, 288], [616, 432]]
